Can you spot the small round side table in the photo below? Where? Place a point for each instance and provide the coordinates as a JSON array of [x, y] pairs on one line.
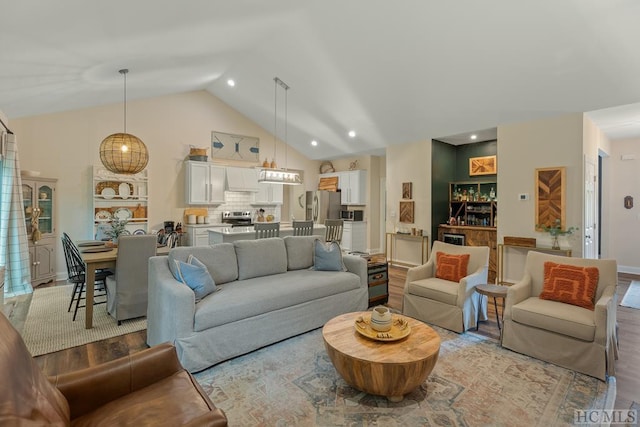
[[495, 291]]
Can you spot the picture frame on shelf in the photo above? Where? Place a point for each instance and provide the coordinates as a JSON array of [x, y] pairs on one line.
[[487, 165]]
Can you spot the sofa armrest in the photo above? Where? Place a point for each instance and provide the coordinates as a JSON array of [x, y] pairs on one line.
[[357, 265], [467, 284], [605, 316], [516, 293], [171, 305], [90, 388], [214, 418], [423, 271]]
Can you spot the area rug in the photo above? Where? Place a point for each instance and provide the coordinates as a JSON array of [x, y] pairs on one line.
[[49, 327], [632, 296], [475, 383]]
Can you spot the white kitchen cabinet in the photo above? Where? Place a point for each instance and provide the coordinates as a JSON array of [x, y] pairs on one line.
[[204, 183], [198, 235], [269, 194], [353, 187], [242, 179], [354, 236]]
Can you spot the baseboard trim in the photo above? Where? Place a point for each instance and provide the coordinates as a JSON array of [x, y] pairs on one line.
[[628, 269]]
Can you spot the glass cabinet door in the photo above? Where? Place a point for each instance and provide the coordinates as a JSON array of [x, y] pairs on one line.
[[45, 206], [28, 189]]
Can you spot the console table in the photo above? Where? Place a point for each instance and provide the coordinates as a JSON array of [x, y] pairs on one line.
[[501, 246], [391, 238]]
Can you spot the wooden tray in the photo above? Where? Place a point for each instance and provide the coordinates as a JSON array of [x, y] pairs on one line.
[[399, 329], [528, 242], [115, 185], [194, 211], [96, 250]]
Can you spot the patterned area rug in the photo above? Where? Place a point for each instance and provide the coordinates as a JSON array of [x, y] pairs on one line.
[[632, 296], [475, 383], [49, 327]]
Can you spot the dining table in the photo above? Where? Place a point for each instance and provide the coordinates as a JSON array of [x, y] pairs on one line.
[[94, 259]]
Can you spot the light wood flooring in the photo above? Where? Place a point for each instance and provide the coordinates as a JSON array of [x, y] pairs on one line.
[[628, 380]]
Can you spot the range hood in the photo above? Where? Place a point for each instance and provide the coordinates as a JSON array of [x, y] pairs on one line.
[[241, 179]]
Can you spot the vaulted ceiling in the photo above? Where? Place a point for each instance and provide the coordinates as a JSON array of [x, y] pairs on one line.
[[392, 71]]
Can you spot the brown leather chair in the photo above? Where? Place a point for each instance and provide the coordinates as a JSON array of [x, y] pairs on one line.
[[146, 388]]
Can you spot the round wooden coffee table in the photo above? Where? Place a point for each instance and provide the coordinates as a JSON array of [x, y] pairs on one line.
[[384, 368]]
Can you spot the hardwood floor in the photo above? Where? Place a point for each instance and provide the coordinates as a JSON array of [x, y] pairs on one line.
[[628, 381]]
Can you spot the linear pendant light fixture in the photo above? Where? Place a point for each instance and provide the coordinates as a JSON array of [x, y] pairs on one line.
[[124, 153], [274, 175]]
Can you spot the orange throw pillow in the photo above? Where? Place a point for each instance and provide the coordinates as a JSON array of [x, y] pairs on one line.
[[451, 267], [570, 284]]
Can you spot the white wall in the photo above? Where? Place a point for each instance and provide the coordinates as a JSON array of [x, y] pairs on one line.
[[625, 223], [65, 146], [523, 147], [409, 163], [596, 144]]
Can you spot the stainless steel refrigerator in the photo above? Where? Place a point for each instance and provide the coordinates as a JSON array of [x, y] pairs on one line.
[[321, 205]]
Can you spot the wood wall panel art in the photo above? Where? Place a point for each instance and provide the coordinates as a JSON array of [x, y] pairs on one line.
[[550, 196], [407, 190], [406, 212], [487, 165]]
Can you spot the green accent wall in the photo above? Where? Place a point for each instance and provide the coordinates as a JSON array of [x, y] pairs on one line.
[[468, 151], [443, 168], [450, 163]]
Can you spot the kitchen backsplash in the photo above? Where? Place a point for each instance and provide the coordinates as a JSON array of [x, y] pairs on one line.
[[240, 201]]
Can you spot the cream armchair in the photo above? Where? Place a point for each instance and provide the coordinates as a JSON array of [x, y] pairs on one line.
[[449, 305], [567, 335]]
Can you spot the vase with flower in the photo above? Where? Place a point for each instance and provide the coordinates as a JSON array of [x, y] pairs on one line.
[[555, 231], [118, 227]]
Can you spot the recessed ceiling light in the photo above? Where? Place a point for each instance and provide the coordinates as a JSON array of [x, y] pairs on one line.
[[352, 133], [474, 137], [231, 82], [314, 143]]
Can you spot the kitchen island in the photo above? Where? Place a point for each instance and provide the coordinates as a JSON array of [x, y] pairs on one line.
[[231, 234]]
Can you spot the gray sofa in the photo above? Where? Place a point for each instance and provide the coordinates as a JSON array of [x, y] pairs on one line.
[[266, 292]]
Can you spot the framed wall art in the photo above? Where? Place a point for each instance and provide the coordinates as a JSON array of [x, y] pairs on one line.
[[235, 147], [406, 211], [487, 165], [407, 190], [550, 197]]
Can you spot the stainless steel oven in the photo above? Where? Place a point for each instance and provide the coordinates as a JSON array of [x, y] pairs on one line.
[[454, 239]]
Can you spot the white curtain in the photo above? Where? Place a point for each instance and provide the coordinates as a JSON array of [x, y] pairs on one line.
[[14, 249]]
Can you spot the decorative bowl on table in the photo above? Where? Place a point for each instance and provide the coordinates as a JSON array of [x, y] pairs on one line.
[[399, 328]]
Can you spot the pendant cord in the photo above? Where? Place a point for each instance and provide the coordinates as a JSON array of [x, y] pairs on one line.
[[124, 73], [286, 148], [275, 117]]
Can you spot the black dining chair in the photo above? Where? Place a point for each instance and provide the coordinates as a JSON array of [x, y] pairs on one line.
[[76, 276]]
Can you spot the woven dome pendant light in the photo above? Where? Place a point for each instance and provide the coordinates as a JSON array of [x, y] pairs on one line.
[[122, 152]]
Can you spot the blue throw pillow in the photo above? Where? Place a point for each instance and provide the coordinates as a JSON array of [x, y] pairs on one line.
[[194, 274], [327, 256]]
